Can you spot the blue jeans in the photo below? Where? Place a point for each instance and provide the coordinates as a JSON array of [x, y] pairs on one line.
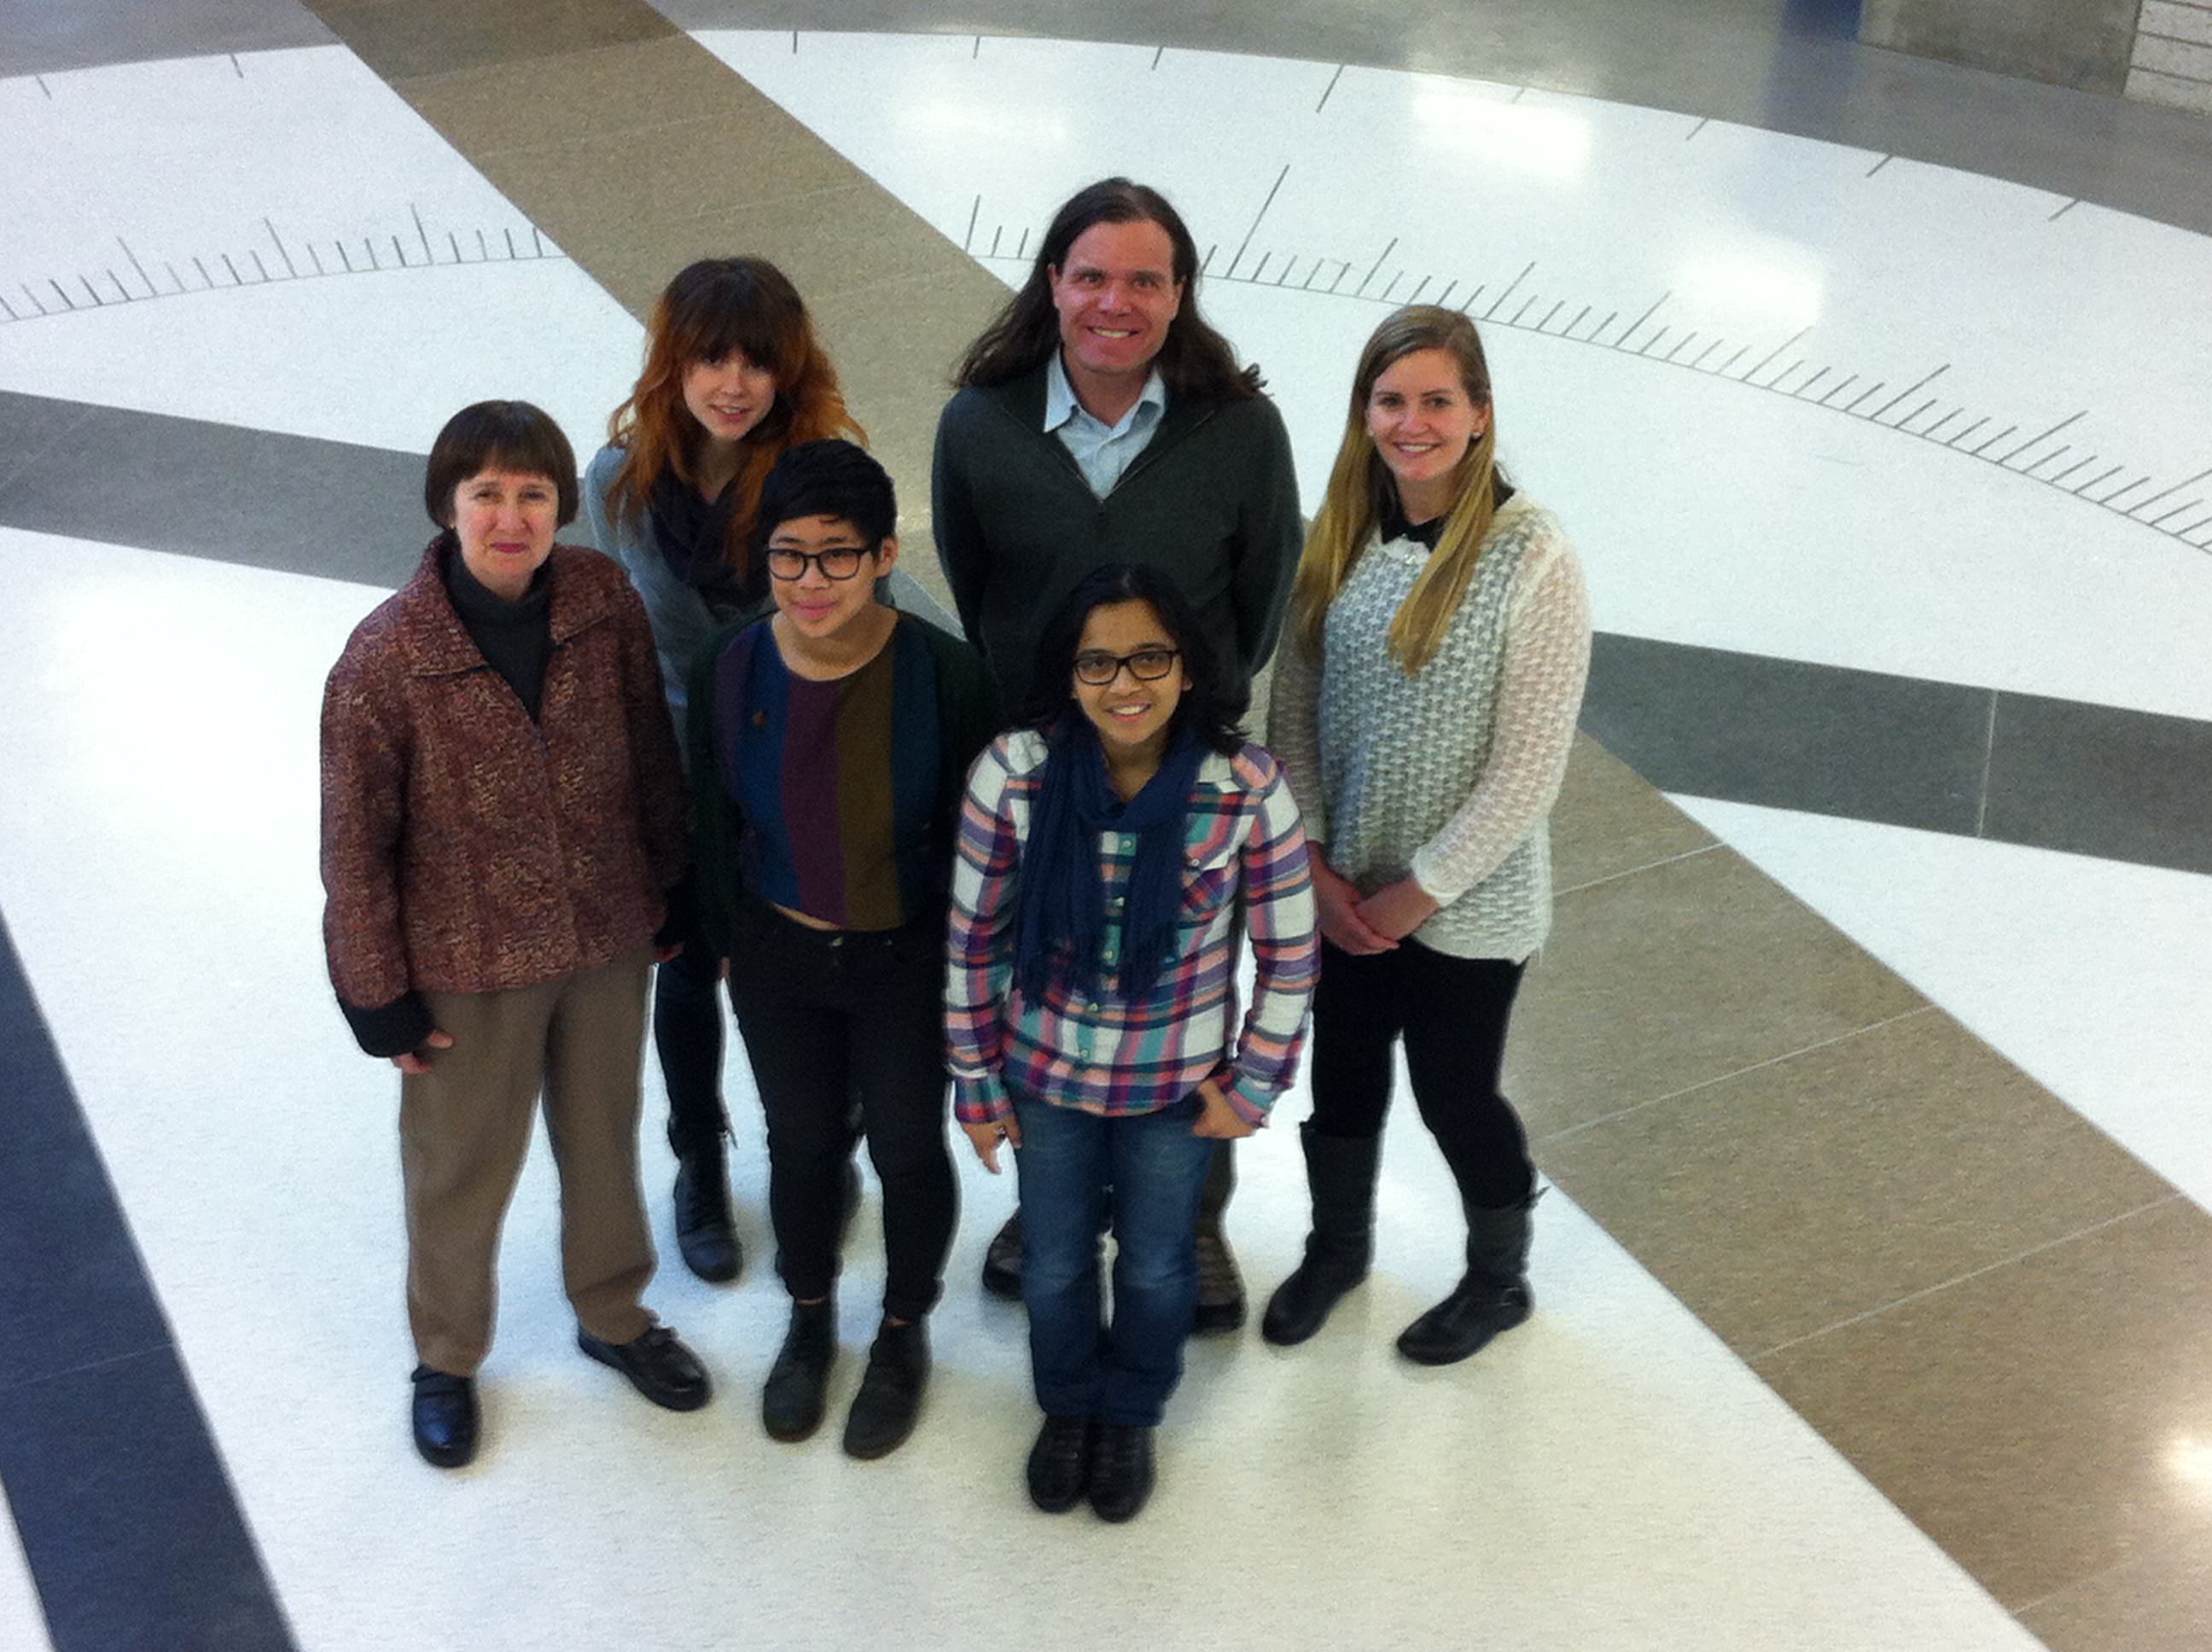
[[1145, 1171]]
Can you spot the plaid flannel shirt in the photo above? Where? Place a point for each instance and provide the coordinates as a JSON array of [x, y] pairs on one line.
[[1244, 849]]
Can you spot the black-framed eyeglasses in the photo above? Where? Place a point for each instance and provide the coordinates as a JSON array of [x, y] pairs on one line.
[[840, 562], [1096, 668]]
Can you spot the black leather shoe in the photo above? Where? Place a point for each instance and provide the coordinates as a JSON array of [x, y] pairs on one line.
[[793, 1400], [446, 1418], [1002, 1261], [889, 1400], [1220, 1287], [657, 1365], [704, 1232], [1059, 1463], [1121, 1471]]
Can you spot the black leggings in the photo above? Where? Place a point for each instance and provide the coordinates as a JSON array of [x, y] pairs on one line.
[[687, 1035], [1452, 1013], [828, 1017]]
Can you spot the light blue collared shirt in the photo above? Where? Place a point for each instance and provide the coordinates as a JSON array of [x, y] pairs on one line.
[[1100, 451]]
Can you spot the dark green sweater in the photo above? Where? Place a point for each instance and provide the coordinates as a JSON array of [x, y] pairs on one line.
[[1212, 500]]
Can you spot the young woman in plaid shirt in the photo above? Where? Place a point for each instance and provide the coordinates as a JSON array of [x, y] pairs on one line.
[[1108, 850]]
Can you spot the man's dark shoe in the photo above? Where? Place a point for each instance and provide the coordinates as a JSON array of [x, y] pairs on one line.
[[794, 1397], [657, 1365], [704, 1231], [1121, 1471], [1220, 1287], [1059, 1463], [1002, 1261], [446, 1419], [889, 1400]]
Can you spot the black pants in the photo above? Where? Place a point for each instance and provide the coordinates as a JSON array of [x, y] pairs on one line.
[[1452, 1013], [687, 1034], [828, 1017]]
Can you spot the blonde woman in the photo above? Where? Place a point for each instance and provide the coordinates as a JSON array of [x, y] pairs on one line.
[[1424, 706]]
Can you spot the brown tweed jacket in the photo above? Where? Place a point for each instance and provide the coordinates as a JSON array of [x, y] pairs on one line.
[[467, 849]]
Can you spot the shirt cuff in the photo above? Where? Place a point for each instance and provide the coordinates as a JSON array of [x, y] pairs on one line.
[[981, 1100], [1252, 1099], [1423, 871]]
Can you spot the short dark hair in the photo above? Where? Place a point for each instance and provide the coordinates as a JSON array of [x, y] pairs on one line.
[[1211, 707], [1194, 360], [498, 435], [828, 478]]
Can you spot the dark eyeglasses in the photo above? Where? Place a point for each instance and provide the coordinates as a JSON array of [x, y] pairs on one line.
[[1098, 669], [841, 563]]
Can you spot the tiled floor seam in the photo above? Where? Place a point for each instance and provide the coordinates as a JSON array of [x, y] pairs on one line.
[[1738, 1072], [1988, 755], [15, 1384], [1630, 871], [1926, 1291], [401, 84]]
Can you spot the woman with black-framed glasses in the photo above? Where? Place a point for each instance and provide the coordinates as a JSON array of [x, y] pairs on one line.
[[1110, 848], [829, 743]]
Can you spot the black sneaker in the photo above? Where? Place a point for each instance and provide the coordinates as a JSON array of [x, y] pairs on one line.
[[1059, 1463], [1121, 1471], [889, 1400]]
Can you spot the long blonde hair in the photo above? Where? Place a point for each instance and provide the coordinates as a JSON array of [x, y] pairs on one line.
[[1360, 487]]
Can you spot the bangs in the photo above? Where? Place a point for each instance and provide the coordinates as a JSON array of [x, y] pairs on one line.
[[732, 310]]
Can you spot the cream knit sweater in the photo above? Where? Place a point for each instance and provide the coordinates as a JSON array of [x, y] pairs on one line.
[[1450, 775]]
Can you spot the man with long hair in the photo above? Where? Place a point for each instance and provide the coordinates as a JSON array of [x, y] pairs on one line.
[[1098, 419]]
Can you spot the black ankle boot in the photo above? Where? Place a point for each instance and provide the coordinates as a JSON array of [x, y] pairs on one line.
[[703, 1230], [794, 1397], [889, 1400], [1494, 1296], [1341, 1175]]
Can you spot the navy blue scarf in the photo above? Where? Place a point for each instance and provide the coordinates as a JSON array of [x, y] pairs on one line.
[[1062, 925]]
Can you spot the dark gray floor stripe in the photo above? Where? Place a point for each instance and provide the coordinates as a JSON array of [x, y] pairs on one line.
[[47, 36], [1752, 729], [130, 1526], [2051, 773], [1747, 728], [295, 504]]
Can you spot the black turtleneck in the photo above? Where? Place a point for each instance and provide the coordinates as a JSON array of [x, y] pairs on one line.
[[516, 638]]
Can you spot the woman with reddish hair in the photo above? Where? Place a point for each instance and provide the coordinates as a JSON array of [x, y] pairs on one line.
[[734, 377]]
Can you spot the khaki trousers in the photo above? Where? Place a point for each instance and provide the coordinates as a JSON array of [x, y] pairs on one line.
[[464, 1132]]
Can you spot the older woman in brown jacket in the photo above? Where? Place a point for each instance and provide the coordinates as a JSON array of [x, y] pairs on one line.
[[502, 836]]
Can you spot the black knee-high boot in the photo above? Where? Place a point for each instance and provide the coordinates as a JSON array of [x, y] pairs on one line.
[[1494, 1296], [1340, 1174]]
